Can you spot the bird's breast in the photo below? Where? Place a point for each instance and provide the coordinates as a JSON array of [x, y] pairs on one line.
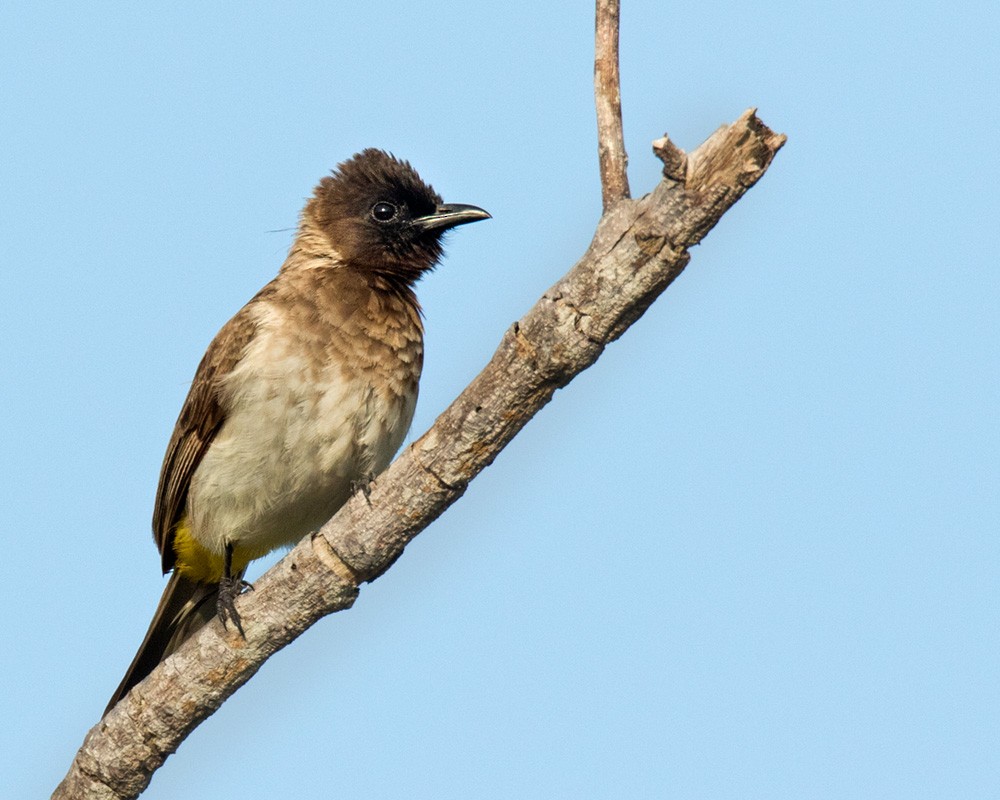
[[320, 400]]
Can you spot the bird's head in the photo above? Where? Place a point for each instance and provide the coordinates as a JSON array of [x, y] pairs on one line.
[[382, 218]]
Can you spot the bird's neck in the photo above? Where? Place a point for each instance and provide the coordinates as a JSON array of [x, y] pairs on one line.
[[313, 251]]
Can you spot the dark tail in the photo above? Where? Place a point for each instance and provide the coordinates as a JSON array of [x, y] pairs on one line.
[[184, 608]]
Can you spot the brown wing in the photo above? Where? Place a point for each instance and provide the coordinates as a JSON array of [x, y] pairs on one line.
[[200, 419]]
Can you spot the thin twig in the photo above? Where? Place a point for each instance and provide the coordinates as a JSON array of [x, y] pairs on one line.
[[608, 100]]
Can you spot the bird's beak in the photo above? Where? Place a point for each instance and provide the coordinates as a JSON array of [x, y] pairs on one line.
[[450, 215]]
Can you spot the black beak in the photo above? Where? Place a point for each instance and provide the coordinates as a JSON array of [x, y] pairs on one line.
[[450, 215]]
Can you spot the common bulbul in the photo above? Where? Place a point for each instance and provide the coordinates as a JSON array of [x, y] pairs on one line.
[[302, 396]]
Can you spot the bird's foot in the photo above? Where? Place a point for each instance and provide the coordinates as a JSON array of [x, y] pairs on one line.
[[364, 486], [229, 589]]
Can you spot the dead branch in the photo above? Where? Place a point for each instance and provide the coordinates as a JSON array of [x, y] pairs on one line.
[[639, 247]]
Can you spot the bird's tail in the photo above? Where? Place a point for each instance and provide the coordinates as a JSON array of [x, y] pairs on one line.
[[185, 607]]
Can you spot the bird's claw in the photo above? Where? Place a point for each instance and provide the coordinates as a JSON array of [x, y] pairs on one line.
[[229, 590], [364, 486]]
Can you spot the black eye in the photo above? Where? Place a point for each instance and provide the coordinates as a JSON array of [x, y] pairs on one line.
[[384, 212]]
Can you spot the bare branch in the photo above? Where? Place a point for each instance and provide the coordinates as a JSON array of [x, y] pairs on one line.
[[608, 99], [639, 248]]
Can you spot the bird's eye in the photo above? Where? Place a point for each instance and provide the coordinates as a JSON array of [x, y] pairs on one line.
[[384, 212]]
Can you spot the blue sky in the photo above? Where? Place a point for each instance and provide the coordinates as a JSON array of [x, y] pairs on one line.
[[752, 552]]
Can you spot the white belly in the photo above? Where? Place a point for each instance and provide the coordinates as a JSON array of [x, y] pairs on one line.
[[295, 440]]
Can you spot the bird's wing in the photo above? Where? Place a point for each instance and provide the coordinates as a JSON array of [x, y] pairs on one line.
[[201, 417]]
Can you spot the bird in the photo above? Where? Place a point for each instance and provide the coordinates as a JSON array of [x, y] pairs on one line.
[[302, 397]]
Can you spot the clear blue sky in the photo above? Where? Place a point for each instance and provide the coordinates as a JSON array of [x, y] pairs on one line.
[[752, 553]]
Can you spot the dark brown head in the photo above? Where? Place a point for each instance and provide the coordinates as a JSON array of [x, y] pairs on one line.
[[382, 218]]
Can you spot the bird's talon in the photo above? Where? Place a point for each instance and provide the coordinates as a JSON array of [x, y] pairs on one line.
[[364, 486], [229, 590]]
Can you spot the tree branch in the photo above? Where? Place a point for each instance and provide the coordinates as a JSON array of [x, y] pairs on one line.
[[611, 153], [639, 247]]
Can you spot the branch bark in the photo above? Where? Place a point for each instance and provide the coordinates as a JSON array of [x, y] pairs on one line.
[[639, 248], [611, 155]]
